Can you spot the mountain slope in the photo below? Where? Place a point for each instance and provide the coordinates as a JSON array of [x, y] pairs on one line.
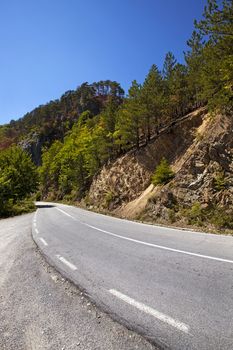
[[200, 150], [52, 121]]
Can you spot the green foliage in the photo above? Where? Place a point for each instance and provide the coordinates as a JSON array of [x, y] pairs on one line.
[[53, 120], [163, 173], [109, 197], [215, 74], [221, 218], [171, 215], [195, 214], [129, 119], [49, 171], [94, 124], [218, 217], [21, 207], [18, 178], [169, 65], [84, 118], [69, 167], [151, 100], [219, 181]]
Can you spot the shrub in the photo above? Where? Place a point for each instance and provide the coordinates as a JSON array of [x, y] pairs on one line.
[[109, 197], [172, 215], [195, 214], [221, 218], [216, 216], [219, 181], [18, 180], [163, 173]]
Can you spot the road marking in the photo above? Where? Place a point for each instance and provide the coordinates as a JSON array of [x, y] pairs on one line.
[[150, 311], [62, 211], [36, 230], [162, 247], [43, 241], [151, 244], [66, 262]]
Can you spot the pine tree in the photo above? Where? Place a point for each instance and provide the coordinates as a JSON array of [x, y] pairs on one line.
[[213, 61], [151, 100], [129, 119], [163, 173], [169, 65]]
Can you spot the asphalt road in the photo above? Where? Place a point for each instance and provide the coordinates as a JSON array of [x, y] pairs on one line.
[[40, 310], [173, 286]]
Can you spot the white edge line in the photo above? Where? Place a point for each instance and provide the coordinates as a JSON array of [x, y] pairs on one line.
[[62, 211], [162, 247], [151, 244], [43, 241], [66, 262], [150, 311], [150, 225]]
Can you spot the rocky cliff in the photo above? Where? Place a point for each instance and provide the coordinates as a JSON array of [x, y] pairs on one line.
[[199, 148]]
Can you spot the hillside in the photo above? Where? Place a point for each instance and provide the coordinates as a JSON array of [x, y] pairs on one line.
[[98, 146], [47, 123], [126, 178], [199, 148]]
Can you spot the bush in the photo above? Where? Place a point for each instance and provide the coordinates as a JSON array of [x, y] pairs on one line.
[[18, 180], [221, 218], [219, 182], [20, 207], [109, 197], [172, 215], [216, 216], [163, 173], [195, 214]]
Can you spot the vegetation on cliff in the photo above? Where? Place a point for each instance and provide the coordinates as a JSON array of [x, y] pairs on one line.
[[126, 123], [86, 128], [163, 173]]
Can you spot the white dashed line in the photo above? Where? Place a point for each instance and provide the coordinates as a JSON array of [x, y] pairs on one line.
[[150, 311], [43, 241], [66, 262], [36, 231]]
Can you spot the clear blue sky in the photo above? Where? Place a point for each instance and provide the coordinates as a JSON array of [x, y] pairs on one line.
[[50, 46]]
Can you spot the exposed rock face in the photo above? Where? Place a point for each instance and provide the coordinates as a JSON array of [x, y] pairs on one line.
[[119, 182], [200, 150], [204, 174], [33, 145], [126, 178]]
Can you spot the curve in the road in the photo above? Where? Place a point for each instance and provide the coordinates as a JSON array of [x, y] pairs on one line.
[[173, 286]]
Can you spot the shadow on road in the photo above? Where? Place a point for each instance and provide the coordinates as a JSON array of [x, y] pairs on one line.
[[44, 205]]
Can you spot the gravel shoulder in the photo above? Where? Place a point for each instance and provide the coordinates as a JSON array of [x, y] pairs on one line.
[[41, 310]]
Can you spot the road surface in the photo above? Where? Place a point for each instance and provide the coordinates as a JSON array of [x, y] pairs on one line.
[[173, 286], [40, 310]]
